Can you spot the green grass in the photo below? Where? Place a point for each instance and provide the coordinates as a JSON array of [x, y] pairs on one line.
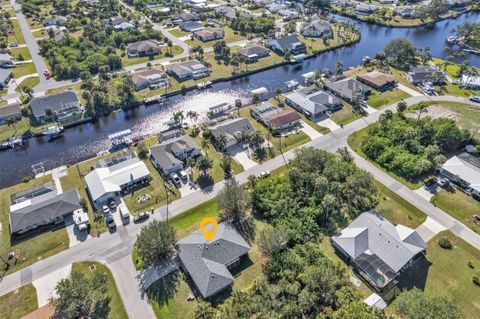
[[17, 35], [315, 45], [117, 309], [179, 33], [18, 303], [127, 61], [452, 69], [30, 82], [18, 52], [380, 99], [459, 205], [344, 115], [37, 245], [23, 69], [21, 127], [230, 37]]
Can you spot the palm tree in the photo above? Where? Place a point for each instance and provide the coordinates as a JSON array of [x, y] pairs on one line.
[[205, 143], [221, 142], [252, 181], [278, 91], [238, 105], [178, 116], [192, 115], [11, 121], [204, 164], [256, 139]]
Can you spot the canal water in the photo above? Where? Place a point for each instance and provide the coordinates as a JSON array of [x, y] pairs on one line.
[[85, 141]]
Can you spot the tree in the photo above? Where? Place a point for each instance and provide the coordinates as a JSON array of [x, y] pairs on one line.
[[238, 105], [278, 91], [28, 90], [256, 139], [226, 165], [401, 107], [126, 92], [252, 181], [271, 241], [339, 67], [81, 297], [11, 121], [400, 53], [233, 201], [204, 164], [155, 242], [142, 150], [205, 143]]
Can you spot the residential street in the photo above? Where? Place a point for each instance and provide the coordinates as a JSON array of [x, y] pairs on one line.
[[114, 249]]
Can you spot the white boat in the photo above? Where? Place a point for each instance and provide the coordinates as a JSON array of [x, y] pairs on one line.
[[451, 39], [292, 84], [366, 59], [204, 85], [53, 131]]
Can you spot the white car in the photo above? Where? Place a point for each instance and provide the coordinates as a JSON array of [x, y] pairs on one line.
[[175, 179], [183, 175], [264, 174], [123, 211], [105, 209]]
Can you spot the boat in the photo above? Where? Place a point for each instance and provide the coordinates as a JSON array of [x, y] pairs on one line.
[[120, 140], [366, 59], [53, 131], [204, 85], [452, 39], [292, 84], [13, 142]]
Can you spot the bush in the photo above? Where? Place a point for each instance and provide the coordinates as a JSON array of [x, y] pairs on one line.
[[26, 179], [445, 243], [470, 264], [476, 280]]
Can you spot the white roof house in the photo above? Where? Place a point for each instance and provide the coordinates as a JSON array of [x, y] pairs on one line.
[[464, 167], [376, 301], [472, 82]]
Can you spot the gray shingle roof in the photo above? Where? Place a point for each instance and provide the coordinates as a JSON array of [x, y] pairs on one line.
[[206, 262], [43, 208], [10, 110], [232, 128], [162, 153], [347, 87], [57, 102]]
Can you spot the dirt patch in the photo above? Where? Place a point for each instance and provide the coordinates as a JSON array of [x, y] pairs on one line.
[[438, 111], [41, 313]]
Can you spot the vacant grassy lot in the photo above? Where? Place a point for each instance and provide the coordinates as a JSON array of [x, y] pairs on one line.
[[35, 246], [458, 205], [178, 33], [175, 50], [117, 309], [18, 303], [19, 128], [380, 99], [19, 53]]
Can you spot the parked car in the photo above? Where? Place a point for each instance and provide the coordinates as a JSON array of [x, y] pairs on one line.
[[476, 217], [474, 98], [183, 175], [124, 211], [13, 45], [111, 203], [432, 181], [443, 183], [110, 221], [176, 179], [264, 174], [140, 216], [105, 209]]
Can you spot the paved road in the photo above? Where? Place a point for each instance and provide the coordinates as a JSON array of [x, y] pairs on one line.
[[114, 249]]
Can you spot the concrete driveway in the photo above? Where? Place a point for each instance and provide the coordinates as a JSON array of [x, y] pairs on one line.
[[241, 155], [327, 122], [45, 286], [310, 131], [429, 228], [74, 235]]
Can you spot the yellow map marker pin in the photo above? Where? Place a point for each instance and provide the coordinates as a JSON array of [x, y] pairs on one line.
[[208, 227]]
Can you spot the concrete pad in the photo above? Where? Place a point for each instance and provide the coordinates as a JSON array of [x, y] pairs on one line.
[[426, 193], [46, 285], [310, 131], [74, 235], [408, 90], [429, 228], [242, 156], [370, 109], [326, 122], [187, 187]]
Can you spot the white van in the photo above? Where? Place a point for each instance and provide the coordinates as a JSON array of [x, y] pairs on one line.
[[124, 211]]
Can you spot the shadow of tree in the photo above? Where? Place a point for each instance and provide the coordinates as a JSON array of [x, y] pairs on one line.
[[204, 181], [260, 154], [246, 227], [164, 289]]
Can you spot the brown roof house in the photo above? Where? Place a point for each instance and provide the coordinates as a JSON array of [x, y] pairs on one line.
[[143, 48], [206, 35], [274, 117], [253, 52], [377, 80]]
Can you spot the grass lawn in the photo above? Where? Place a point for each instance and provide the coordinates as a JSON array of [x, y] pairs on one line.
[[380, 99], [23, 69], [397, 74], [126, 61], [230, 36], [452, 69], [179, 33], [344, 115], [21, 127], [40, 33], [459, 205], [315, 45], [36, 246], [455, 90], [448, 274], [30, 82], [17, 53], [17, 35], [117, 309], [18, 303]]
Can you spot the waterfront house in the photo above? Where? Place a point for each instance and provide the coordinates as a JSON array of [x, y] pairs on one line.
[[192, 69], [344, 3], [253, 52], [56, 21], [312, 101], [41, 206], [347, 89], [365, 9], [190, 26], [143, 48], [407, 13], [378, 250], [317, 28], [235, 131], [208, 263], [169, 156], [111, 178], [288, 44], [62, 105], [5, 76], [152, 78], [463, 169], [423, 74], [206, 35], [10, 111], [274, 117], [459, 4], [470, 82], [377, 80]]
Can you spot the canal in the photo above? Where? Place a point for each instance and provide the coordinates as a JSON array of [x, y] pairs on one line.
[[85, 141]]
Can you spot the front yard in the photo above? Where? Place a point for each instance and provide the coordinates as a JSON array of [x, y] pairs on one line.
[[230, 36], [381, 99], [18, 303], [165, 52]]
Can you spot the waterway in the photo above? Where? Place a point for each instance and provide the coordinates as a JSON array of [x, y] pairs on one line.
[[85, 141]]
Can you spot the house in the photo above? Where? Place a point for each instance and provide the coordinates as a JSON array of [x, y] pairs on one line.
[[152, 78], [229, 13], [344, 3], [407, 13], [58, 35], [471, 82], [123, 26], [6, 61], [40, 208], [208, 262], [110, 179], [378, 250], [274, 117], [287, 14], [168, 156], [275, 7], [186, 16], [169, 134], [388, 1], [190, 26], [113, 21], [188, 70], [62, 105], [317, 28], [253, 52], [209, 34], [55, 21], [422, 74], [10, 111], [5, 76], [288, 44], [464, 169], [366, 9], [235, 131], [143, 48], [459, 4], [377, 80], [347, 88], [312, 102]]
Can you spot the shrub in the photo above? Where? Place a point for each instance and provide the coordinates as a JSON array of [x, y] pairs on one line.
[[26, 179], [445, 243], [476, 280], [470, 264]]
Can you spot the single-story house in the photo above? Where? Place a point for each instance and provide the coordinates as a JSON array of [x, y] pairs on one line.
[[188, 70], [366, 9], [190, 26], [228, 12], [62, 105], [407, 13], [123, 26], [107, 182], [471, 82], [169, 134], [275, 7], [5, 76], [186, 16], [287, 14], [6, 61], [153, 78], [463, 168], [208, 262], [143, 48], [274, 117], [253, 52], [422, 74], [459, 4], [235, 130], [55, 21], [206, 35], [288, 44], [312, 102], [347, 88], [10, 111], [43, 209], [344, 3], [388, 1], [377, 80], [168, 156], [378, 250], [317, 28], [113, 21]]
